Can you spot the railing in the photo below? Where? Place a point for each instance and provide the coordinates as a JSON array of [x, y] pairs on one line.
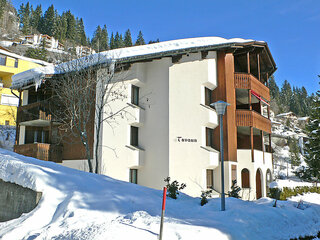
[[248, 81], [42, 151], [247, 118], [34, 111]]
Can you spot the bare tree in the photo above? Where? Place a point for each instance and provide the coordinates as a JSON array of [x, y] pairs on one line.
[[83, 90]]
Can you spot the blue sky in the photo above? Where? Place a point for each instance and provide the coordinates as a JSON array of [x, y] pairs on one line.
[[290, 27]]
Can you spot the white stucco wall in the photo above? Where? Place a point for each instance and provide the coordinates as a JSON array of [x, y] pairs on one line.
[[171, 101], [245, 161], [188, 119], [152, 120]]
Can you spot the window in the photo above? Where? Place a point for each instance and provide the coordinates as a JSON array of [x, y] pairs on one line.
[[36, 135], [234, 172], [135, 95], [16, 63], [208, 96], [9, 100], [134, 136], [209, 178], [209, 137], [3, 60], [245, 180], [7, 122], [134, 176]]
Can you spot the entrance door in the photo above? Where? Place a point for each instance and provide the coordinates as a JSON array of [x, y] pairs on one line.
[[258, 184]]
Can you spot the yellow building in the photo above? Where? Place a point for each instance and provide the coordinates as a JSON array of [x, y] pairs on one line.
[[11, 64]]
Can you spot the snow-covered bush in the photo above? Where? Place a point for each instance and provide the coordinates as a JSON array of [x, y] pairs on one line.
[[174, 187], [204, 196], [286, 192], [234, 190]]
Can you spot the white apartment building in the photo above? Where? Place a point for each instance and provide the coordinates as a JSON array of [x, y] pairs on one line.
[[169, 129]]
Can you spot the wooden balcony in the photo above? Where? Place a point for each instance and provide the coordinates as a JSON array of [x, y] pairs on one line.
[[34, 111], [248, 81], [247, 118], [42, 151]]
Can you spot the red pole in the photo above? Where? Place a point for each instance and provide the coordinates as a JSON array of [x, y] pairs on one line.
[[162, 212]]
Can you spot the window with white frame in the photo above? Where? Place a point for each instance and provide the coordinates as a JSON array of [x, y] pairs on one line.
[[209, 178], [134, 176], [207, 96], [134, 136], [9, 100], [209, 137], [135, 95]]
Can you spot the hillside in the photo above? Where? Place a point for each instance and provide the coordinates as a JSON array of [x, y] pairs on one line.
[[288, 140]]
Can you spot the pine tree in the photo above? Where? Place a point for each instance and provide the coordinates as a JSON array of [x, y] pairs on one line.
[[104, 39], [24, 15], [127, 39], [71, 26], [156, 41], [36, 18], [313, 145], [294, 152], [95, 42], [62, 27], [286, 95], [112, 42], [118, 40], [82, 33], [49, 22], [140, 40], [274, 89]]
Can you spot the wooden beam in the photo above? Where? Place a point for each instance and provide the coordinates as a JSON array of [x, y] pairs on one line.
[[258, 62], [251, 143], [270, 143], [250, 100], [248, 61]]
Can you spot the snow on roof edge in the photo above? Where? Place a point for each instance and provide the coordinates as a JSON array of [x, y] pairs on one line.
[[10, 54], [35, 76]]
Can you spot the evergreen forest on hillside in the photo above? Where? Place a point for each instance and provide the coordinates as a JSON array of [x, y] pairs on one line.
[[67, 28], [290, 99]]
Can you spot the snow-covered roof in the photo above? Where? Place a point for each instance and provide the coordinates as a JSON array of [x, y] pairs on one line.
[[13, 55], [34, 76]]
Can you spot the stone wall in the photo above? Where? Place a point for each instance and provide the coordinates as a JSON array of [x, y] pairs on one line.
[[15, 200]]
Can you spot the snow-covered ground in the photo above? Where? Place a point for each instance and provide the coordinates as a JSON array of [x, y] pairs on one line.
[[79, 205], [290, 183]]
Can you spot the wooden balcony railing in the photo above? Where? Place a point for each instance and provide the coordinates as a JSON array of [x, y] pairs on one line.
[[248, 81], [34, 111], [42, 151], [247, 118]]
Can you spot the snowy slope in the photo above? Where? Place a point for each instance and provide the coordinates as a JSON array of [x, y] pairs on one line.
[[80, 205], [285, 126]]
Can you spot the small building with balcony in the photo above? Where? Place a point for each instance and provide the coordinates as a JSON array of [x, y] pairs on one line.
[[169, 128], [10, 64]]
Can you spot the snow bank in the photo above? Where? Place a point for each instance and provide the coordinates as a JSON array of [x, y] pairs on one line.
[[289, 183], [36, 75], [82, 206]]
